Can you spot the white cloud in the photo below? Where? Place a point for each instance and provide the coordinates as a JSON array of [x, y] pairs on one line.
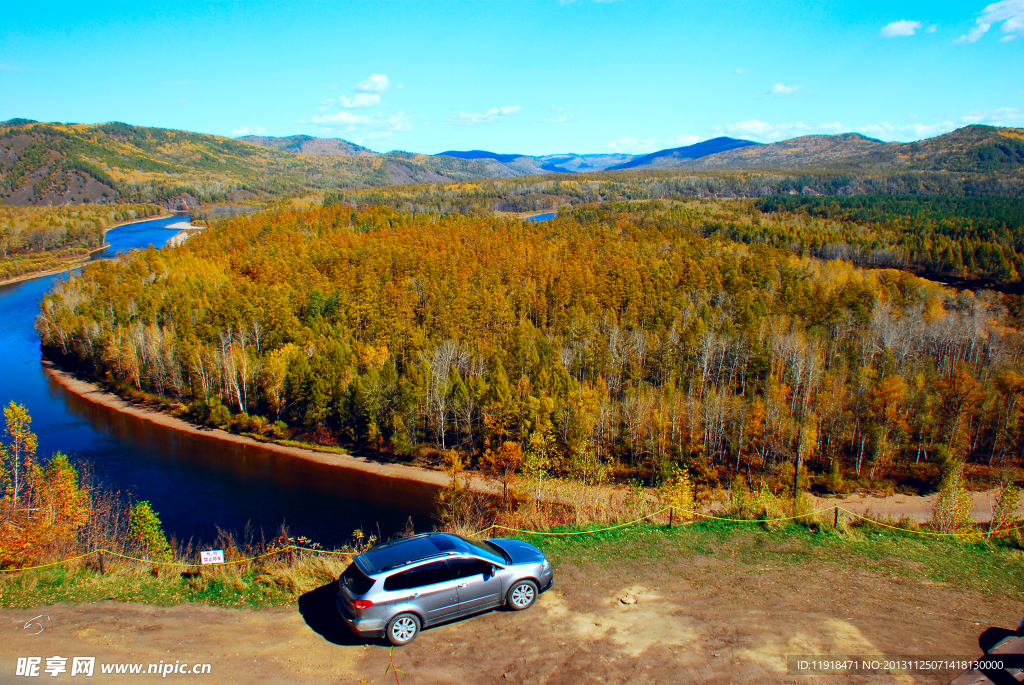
[[900, 28], [1009, 12], [377, 83], [886, 131], [933, 28], [345, 122], [782, 89], [755, 129], [559, 120], [632, 145], [360, 101], [1004, 116], [333, 86], [490, 116], [739, 70], [248, 131], [342, 119], [683, 140], [376, 135]]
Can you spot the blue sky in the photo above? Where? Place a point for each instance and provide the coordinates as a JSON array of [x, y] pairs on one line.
[[525, 76]]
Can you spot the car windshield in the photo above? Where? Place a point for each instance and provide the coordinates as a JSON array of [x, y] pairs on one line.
[[487, 550]]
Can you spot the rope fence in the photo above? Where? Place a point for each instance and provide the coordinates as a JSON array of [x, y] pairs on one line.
[[671, 510]]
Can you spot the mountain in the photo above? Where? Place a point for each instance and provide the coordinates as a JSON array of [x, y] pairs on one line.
[[57, 164], [971, 149], [673, 156], [535, 165], [308, 145]]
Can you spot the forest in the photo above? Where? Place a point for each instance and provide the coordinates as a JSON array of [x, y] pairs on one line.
[[619, 341], [41, 238]]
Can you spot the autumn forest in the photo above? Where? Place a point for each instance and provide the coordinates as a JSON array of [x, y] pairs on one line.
[[783, 338]]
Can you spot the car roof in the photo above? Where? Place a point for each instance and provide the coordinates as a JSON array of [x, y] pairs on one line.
[[389, 555]]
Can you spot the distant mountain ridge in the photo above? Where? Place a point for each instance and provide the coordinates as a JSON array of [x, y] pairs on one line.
[[56, 164], [970, 149], [558, 163], [669, 157]]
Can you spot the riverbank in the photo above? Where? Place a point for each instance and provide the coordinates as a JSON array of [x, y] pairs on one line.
[[95, 394], [915, 507], [32, 275], [77, 261]]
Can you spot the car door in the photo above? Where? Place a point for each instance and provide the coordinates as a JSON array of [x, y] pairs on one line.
[[479, 587], [430, 588]]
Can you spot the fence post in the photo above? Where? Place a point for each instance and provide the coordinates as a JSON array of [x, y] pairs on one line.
[[102, 567], [671, 515], [835, 523]]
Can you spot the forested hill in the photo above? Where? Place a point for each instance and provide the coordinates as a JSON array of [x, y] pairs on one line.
[[615, 341], [971, 149], [43, 163], [310, 145]]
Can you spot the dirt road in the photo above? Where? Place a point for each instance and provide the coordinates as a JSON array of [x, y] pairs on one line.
[[705, 618]]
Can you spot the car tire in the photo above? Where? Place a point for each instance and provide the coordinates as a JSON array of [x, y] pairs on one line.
[[403, 629], [521, 595]]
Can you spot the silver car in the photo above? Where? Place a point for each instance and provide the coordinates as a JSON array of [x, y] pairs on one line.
[[395, 589]]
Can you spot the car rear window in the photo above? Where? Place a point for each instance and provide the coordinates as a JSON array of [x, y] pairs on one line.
[[421, 576], [356, 581]]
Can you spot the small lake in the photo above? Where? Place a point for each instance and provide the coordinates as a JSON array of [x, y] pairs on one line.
[[194, 482], [542, 217]]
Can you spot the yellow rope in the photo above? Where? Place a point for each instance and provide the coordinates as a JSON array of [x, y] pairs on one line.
[[577, 532]]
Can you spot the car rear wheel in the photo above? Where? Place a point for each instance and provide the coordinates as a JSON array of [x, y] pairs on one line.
[[403, 629], [521, 595]]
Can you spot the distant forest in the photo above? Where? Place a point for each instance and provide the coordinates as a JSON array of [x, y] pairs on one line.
[[620, 340]]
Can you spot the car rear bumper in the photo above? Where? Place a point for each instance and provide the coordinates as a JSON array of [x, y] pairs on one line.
[[365, 627]]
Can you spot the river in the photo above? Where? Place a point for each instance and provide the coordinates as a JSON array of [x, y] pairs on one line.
[[194, 482]]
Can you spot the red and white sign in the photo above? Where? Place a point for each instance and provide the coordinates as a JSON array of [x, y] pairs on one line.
[[212, 556]]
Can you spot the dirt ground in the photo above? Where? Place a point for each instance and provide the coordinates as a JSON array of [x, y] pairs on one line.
[[700, 619]]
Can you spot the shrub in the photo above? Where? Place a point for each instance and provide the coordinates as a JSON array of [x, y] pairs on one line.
[[145, 533], [952, 510]]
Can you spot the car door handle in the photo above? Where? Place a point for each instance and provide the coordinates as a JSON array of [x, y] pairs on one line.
[[414, 595], [462, 584]]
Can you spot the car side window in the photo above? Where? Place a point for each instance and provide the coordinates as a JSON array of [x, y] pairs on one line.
[[421, 576], [466, 568]]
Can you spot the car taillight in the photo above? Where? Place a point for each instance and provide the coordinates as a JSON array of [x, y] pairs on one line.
[[361, 604]]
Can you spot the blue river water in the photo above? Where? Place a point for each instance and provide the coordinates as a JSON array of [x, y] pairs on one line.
[[542, 217], [195, 482]]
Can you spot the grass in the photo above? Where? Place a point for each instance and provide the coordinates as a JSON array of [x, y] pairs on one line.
[[986, 566], [991, 567], [252, 586]]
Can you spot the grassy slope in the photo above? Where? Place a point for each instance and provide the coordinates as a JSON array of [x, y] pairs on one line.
[[988, 567]]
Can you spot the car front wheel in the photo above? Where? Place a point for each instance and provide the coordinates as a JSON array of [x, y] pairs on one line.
[[521, 595], [403, 629]]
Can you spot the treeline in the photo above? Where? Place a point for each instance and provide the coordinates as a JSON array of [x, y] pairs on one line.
[[532, 193], [615, 341], [52, 509], [978, 238]]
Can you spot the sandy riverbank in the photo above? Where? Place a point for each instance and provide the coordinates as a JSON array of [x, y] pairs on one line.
[[96, 394], [916, 507], [68, 266], [76, 263]]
